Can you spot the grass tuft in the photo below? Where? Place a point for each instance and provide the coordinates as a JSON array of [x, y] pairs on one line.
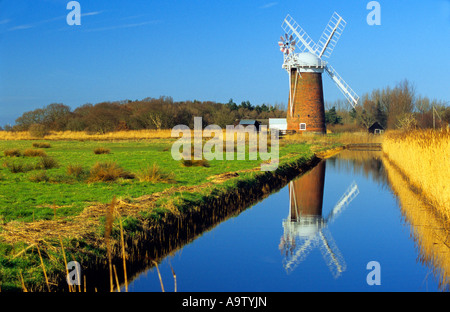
[[195, 163], [102, 150], [155, 174], [14, 152], [29, 152], [39, 177], [47, 162], [75, 170], [16, 167], [41, 145], [108, 172]]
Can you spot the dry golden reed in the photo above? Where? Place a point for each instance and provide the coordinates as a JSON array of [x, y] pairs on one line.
[[108, 230], [82, 135], [424, 157], [344, 138]]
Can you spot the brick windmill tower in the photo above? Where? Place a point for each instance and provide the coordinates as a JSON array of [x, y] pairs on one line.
[[306, 111]]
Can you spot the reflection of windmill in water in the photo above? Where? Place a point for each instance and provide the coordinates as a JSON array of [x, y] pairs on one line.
[[305, 228]]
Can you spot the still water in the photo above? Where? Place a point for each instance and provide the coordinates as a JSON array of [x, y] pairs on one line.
[[318, 233]]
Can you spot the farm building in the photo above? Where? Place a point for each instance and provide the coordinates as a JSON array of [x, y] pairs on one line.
[[376, 128], [248, 122], [278, 123]]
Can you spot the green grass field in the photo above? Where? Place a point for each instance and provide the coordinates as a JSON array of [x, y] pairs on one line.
[[32, 194]]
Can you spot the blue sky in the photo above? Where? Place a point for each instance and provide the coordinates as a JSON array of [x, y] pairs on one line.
[[208, 50]]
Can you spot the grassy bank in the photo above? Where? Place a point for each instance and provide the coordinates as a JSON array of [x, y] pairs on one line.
[[424, 158], [55, 196]]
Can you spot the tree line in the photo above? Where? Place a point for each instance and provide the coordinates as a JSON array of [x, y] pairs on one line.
[[149, 113], [398, 107], [392, 107]]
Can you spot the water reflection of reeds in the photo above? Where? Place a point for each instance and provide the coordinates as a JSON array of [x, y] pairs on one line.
[[367, 163], [428, 230]]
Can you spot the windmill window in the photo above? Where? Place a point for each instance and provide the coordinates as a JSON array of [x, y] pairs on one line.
[[302, 126]]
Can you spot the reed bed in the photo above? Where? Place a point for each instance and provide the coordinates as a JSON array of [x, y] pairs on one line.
[[82, 135], [424, 157], [344, 138]]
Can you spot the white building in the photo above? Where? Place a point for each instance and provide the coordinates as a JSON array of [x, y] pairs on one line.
[[278, 123]]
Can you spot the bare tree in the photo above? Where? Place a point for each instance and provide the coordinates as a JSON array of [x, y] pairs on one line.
[[156, 119], [401, 102]]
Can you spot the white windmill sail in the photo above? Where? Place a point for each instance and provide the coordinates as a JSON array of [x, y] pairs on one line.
[[304, 42], [330, 36], [292, 260], [331, 254], [351, 192], [351, 95]]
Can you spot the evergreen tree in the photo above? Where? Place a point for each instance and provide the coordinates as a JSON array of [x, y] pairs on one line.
[[331, 117]]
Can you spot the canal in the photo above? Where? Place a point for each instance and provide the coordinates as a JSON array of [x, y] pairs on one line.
[[348, 224]]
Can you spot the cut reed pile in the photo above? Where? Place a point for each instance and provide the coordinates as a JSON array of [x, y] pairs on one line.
[[424, 157]]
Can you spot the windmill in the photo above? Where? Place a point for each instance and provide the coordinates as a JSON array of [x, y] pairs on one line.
[[306, 110], [306, 229]]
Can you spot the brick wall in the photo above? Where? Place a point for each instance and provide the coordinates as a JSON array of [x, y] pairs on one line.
[[307, 192], [308, 105]]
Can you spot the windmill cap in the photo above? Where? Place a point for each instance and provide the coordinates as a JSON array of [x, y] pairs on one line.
[[309, 59]]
